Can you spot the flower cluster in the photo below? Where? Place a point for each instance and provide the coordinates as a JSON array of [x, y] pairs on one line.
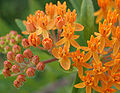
[[10, 42]]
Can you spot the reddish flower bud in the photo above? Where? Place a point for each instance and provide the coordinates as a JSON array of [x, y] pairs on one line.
[[7, 48], [59, 22], [27, 53], [35, 59], [47, 43], [21, 78], [14, 33], [15, 69], [17, 84], [25, 43], [7, 65], [34, 40], [16, 49], [19, 58], [30, 72], [40, 66], [6, 72], [18, 38], [2, 38], [10, 56], [12, 42]]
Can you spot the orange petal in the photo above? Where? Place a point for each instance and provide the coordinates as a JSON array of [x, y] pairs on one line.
[[117, 86], [96, 80], [97, 12], [111, 63], [88, 89], [90, 72], [65, 63], [97, 34], [75, 36], [86, 65], [25, 33], [79, 27], [99, 18], [97, 88], [74, 43], [80, 71], [84, 48], [67, 44], [39, 31], [102, 44], [45, 34], [115, 68], [87, 56], [95, 57], [80, 85], [51, 25], [55, 52], [61, 41], [116, 48]]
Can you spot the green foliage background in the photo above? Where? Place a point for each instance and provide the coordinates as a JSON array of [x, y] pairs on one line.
[[53, 79]]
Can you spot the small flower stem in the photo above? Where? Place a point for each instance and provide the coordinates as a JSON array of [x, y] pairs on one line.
[[59, 33], [53, 32], [41, 48], [49, 61]]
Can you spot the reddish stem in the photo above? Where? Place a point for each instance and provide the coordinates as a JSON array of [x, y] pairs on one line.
[[49, 61], [41, 48]]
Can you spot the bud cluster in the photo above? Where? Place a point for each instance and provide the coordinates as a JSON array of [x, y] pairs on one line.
[[21, 65], [10, 42]]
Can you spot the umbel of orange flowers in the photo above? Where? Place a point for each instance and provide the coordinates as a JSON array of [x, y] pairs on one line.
[[101, 57]]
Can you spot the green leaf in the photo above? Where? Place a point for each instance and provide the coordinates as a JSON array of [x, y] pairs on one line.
[[4, 28], [87, 18], [1, 72], [20, 24]]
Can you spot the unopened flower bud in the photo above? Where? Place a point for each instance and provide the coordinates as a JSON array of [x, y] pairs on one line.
[[17, 84], [30, 72], [7, 49], [13, 33], [21, 78], [12, 42], [59, 22], [40, 66], [6, 72], [19, 58], [2, 43], [15, 69], [18, 38], [7, 65], [47, 43], [34, 40], [35, 60], [25, 43], [10, 56], [2, 38], [16, 49], [27, 53]]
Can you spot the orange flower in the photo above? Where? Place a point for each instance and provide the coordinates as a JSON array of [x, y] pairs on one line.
[[70, 18], [63, 56], [34, 40], [98, 73], [92, 49], [87, 82], [77, 58], [68, 37], [103, 35]]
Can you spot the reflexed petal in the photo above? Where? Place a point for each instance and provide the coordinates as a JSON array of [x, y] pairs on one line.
[[97, 88], [67, 44], [84, 48], [86, 65], [65, 63], [111, 63], [79, 27], [55, 52], [96, 58], [25, 32], [99, 18], [87, 56], [74, 43], [117, 86], [96, 80], [88, 89], [61, 41], [51, 25], [79, 85], [90, 72], [75, 36], [116, 48], [102, 44], [80, 71], [97, 34], [97, 12], [115, 68]]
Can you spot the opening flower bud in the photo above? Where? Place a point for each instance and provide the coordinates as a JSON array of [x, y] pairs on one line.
[[6, 72], [30, 72], [7, 65], [10, 56], [35, 60], [40, 66], [15, 69], [28, 53], [25, 43], [47, 43], [19, 58]]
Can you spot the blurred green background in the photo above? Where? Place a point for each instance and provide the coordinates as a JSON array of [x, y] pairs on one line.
[[53, 79]]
